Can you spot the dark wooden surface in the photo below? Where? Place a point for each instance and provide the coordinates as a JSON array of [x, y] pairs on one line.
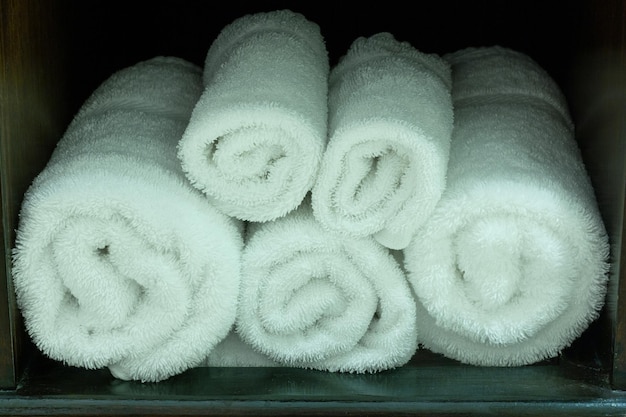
[[430, 385], [598, 98], [33, 113]]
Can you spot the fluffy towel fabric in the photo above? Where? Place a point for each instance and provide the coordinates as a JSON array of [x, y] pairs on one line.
[[234, 352], [119, 262], [315, 300], [512, 266], [390, 123], [256, 137]]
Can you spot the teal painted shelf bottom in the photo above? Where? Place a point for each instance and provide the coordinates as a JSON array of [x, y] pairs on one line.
[[429, 385]]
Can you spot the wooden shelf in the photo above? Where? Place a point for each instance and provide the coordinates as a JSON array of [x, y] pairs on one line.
[[430, 385]]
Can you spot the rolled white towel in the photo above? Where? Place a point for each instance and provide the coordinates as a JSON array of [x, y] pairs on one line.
[[234, 352], [390, 123], [256, 137], [315, 300], [118, 261], [512, 265]]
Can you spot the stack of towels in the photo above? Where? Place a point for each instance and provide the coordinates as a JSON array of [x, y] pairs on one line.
[[269, 210]]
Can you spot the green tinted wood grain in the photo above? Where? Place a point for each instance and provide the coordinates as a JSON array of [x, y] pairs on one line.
[[430, 385], [32, 116], [598, 99]]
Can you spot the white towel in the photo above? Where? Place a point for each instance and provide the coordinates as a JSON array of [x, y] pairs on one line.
[[256, 137], [390, 122], [315, 300], [119, 262], [234, 352], [512, 265]]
